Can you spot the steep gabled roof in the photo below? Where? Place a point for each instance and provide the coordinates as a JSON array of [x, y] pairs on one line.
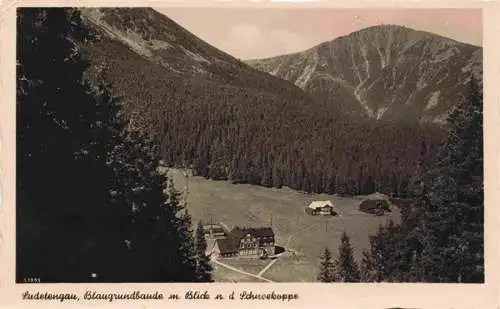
[[227, 245], [320, 204], [238, 233], [263, 232]]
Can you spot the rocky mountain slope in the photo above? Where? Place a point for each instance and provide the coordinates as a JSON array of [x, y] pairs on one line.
[[146, 55], [383, 72]]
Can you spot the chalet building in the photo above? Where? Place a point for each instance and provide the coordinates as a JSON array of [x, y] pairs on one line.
[[250, 242], [323, 208]]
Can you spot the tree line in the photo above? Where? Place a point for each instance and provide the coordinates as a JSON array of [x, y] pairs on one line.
[[92, 203], [441, 235]]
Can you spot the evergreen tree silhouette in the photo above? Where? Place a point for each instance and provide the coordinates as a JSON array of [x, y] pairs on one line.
[[441, 237], [92, 205], [326, 267], [345, 266], [454, 221], [367, 268], [55, 153], [374, 263], [185, 245], [203, 267]]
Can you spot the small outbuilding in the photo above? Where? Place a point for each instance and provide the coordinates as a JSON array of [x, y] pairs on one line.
[[375, 207], [323, 208], [214, 231]]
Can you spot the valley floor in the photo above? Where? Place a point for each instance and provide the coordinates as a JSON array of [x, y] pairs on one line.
[[304, 237]]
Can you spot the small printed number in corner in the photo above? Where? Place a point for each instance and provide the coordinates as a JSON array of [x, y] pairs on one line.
[[31, 280]]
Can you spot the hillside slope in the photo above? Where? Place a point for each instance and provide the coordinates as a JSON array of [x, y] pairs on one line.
[[227, 120], [383, 72], [162, 54]]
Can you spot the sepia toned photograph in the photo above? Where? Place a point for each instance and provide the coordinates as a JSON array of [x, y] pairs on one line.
[[249, 145]]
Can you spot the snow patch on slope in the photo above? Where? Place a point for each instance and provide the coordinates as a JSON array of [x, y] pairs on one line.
[[361, 101], [158, 45], [275, 70], [433, 100], [388, 48], [422, 74], [306, 74], [474, 64], [440, 119], [446, 54], [383, 62], [354, 66], [338, 80], [380, 112], [194, 56], [133, 40], [364, 52]]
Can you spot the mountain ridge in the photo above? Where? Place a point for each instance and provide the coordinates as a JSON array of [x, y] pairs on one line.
[[160, 39], [369, 28], [373, 72]]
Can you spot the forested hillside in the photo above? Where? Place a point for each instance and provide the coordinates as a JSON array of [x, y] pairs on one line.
[[228, 121]]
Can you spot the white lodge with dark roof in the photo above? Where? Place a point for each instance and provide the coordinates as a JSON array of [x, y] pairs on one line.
[[324, 208], [251, 242]]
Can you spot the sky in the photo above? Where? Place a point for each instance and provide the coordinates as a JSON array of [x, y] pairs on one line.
[[251, 33]]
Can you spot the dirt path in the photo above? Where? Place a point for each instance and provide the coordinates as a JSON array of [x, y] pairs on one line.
[[241, 271], [267, 267], [287, 245], [290, 238]]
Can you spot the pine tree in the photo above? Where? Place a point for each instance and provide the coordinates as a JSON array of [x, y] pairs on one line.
[[374, 263], [55, 110], [453, 224], [326, 267], [367, 268], [203, 267], [92, 204], [110, 228], [415, 271], [156, 224], [185, 248], [345, 266]]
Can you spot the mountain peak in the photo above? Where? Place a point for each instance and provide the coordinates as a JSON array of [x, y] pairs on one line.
[[383, 71]]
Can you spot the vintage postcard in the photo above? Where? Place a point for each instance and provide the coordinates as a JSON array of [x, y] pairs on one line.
[[259, 153]]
